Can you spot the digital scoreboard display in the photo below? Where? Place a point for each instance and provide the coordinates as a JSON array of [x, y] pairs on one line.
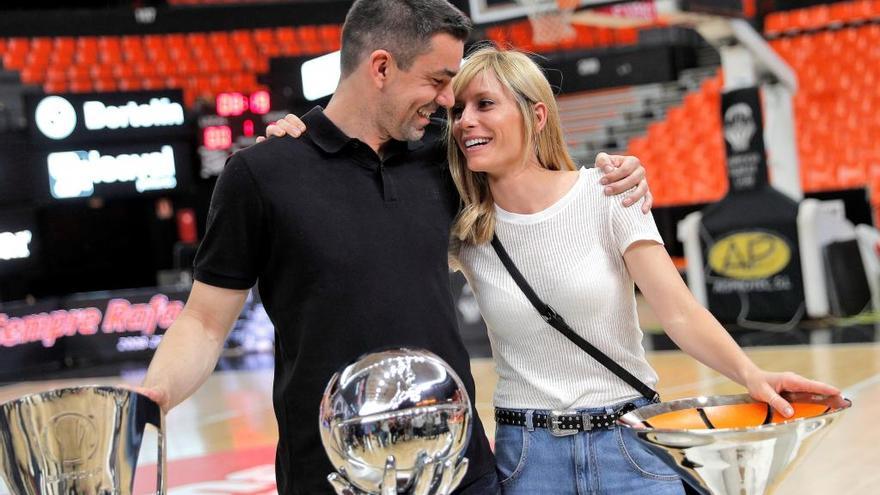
[[236, 123]]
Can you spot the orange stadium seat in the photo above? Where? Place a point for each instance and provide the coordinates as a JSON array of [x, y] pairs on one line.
[[201, 63], [55, 86], [81, 86]]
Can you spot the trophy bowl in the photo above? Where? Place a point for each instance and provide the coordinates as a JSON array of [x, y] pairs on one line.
[[78, 440], [402, 403], [732, 444]]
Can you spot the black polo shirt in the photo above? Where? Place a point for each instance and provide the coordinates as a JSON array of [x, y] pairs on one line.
[[350, 253]]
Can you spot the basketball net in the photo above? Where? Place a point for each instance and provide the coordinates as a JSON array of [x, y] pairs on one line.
[[550, 20]]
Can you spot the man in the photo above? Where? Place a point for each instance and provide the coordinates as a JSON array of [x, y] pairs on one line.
[[345, 230]]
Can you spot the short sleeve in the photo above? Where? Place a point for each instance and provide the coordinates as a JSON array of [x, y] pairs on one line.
[[629, 224], [231, 253]]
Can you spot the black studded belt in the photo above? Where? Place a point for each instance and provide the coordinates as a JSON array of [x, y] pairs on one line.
[[562, 423]]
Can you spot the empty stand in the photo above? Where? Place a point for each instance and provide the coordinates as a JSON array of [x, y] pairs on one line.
[[201, 64], [835, 51], [674, 128]]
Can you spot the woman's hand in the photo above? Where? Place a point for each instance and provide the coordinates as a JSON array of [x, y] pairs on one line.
[[290, 124], [766, 386]]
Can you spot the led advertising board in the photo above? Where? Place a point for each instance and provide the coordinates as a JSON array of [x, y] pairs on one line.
[[115, 170], [19, 245], [62, 119]]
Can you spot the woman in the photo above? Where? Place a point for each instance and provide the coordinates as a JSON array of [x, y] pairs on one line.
[[581, 252]]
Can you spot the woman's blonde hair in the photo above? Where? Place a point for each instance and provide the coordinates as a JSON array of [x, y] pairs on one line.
[[526, 82]]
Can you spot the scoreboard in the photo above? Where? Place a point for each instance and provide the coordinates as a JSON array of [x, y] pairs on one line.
[[236, 123]]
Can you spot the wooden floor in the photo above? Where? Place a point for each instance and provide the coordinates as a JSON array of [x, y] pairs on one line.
[[232, 411]]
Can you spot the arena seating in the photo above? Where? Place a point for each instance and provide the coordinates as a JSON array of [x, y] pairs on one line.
[[675, 128], [835, 51], [201, 64], [684, 153]]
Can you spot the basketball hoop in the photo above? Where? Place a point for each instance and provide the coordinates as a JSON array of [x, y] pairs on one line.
[[550, 20]]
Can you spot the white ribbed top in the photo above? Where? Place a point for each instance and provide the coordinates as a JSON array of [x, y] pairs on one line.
[[572, 255]]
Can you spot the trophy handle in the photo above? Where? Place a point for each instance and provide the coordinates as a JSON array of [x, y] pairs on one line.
[[154, 415], [161, 468]]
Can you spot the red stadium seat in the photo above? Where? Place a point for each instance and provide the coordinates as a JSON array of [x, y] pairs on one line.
[[33, 75], [105, 85], [78, 72], [101, 72], [55, 87], [14, 61], [130, 84], [81, 86], [55, 73], [776, 23], [123, 71], [331, 36], [175, 82], [146, 69]]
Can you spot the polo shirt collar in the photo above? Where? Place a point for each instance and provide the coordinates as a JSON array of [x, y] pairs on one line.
[[331, 139]]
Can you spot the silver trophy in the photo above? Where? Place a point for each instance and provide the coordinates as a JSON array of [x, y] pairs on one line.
[[396, 421], [77, 441], [732, 444]]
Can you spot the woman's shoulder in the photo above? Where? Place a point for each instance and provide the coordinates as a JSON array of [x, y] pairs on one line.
[[589, 186]]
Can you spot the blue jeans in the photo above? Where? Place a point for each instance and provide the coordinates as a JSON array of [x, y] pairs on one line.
[[602, 461]]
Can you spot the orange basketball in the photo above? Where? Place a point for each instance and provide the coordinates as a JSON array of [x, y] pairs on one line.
[[686, 419], [737, 415], [801, 410]]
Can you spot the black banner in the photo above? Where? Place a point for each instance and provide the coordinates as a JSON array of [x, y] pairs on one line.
[[752, 262], [619, 67], [744, 140], [17, 182], [61, 120]]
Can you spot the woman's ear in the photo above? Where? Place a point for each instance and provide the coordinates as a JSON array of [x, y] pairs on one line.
[[540, 116]]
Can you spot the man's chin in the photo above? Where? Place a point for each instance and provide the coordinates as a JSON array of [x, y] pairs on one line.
[[414, 134]]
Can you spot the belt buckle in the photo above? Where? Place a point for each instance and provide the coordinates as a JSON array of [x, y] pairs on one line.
[[554, 423]]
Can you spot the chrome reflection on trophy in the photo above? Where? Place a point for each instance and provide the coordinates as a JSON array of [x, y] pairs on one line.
[[82, 440], [726, 445], [404, 403]]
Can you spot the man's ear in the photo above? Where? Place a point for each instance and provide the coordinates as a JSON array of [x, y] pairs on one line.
[[540, 116], [380, 64]]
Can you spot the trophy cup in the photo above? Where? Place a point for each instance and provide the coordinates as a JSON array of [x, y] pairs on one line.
[[726, 445], [396, 421], [81, 440]]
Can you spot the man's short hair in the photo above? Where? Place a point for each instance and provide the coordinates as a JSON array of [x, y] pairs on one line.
[[402, 27]]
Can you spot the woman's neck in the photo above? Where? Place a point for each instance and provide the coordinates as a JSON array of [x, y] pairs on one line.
[[530, 189]]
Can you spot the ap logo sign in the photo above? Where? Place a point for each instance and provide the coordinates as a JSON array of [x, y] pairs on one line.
[[55, 117]]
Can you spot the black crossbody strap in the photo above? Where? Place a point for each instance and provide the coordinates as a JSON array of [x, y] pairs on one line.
[[558, 322]]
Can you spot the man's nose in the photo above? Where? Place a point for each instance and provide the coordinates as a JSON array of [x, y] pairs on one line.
[[446, 97]]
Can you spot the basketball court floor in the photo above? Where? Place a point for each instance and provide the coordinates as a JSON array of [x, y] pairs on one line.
[[221, 441]]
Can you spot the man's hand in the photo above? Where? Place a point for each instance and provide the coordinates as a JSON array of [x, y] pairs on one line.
[[623, 173], [290, 124], [429, 478], [158, 396]]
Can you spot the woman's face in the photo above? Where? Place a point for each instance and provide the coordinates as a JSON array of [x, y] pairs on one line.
[[487, 126]]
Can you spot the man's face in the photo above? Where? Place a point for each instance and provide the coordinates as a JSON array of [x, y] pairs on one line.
[[412, 95]]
